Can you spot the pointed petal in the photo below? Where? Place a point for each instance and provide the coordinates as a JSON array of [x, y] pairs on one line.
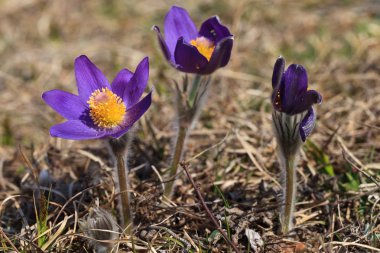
[[295, 84], [278, 71], [134, 114], [307, 124], [306, 100], [89, 77], [164, 47], [178, 24], [188, 58], [136, 86], [213, 30], [121, 81], [220, 57], [75, 130], [66, 104]]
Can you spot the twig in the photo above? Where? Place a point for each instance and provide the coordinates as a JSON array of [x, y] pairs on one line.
[[4, 236], [353, 244], [184, 166], [184, 241]]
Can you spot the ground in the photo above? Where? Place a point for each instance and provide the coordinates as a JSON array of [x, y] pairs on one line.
[[231, 152]]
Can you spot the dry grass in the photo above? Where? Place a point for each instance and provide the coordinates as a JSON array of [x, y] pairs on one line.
[[337, 41]]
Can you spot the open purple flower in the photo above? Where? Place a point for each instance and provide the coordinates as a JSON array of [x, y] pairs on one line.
[[192, 51], [100, 110], [292, 97]]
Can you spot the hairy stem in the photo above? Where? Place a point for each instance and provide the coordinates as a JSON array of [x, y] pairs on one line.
[[119, 149], [290, 183], [124, 194], [194, 89], [179, 147]]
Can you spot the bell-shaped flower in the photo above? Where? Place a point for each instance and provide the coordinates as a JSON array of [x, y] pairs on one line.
[[100, 109], [293, 101], [192, 51]]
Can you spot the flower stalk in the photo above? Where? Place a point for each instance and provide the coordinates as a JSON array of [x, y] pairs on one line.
[[119, 150], [178, 150], [189, 105], [290, 190]]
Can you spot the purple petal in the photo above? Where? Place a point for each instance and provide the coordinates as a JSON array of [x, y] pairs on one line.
[[164, 47], [89, 77], [213, 30], [178, 24], [133, 114], [137, 84], [307, 100], [278, 71], [66, 104], [294, 85], [188, 58], [307, 124], [75, 130], [220, 57], [121, 81]]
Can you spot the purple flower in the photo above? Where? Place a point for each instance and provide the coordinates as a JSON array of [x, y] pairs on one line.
[[292, 97], [192, 51], [100, 110]]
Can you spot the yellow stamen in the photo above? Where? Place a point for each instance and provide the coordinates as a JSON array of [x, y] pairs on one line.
[[204, 46], [107, 110]]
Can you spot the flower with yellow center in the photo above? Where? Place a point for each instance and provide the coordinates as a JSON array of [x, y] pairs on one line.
[[107, 109], [205, 46], [100, 110], [191, 50]]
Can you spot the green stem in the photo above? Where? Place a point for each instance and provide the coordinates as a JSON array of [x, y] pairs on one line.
[[124, 194], [289, 194], [179, 146], [194, 89]]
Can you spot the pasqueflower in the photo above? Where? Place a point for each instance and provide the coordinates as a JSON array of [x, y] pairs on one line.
[[192, 51], [100, 109], [291, 97]]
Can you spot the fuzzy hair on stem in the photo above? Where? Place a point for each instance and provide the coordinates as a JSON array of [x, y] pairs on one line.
[[286, 128], [189, 102], [119, 152]]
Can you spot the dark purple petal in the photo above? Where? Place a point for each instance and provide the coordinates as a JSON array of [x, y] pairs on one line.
[[75, 130], [306, 100], [137, 84], [121, 81], [89, 77], [188, 58], [213, 30], [220, 57], [133, 114], [66, 104], [278, 71], [307, 124], [294, 85], [164, 47], [178, 24]]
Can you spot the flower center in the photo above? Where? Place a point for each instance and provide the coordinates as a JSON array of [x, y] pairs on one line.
[[205, 46], [107, 110]]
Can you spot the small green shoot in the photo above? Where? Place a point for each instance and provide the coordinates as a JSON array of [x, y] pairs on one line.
[[42, 218], [226, 205], [352, 182], [320, 157], [6, 138]]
